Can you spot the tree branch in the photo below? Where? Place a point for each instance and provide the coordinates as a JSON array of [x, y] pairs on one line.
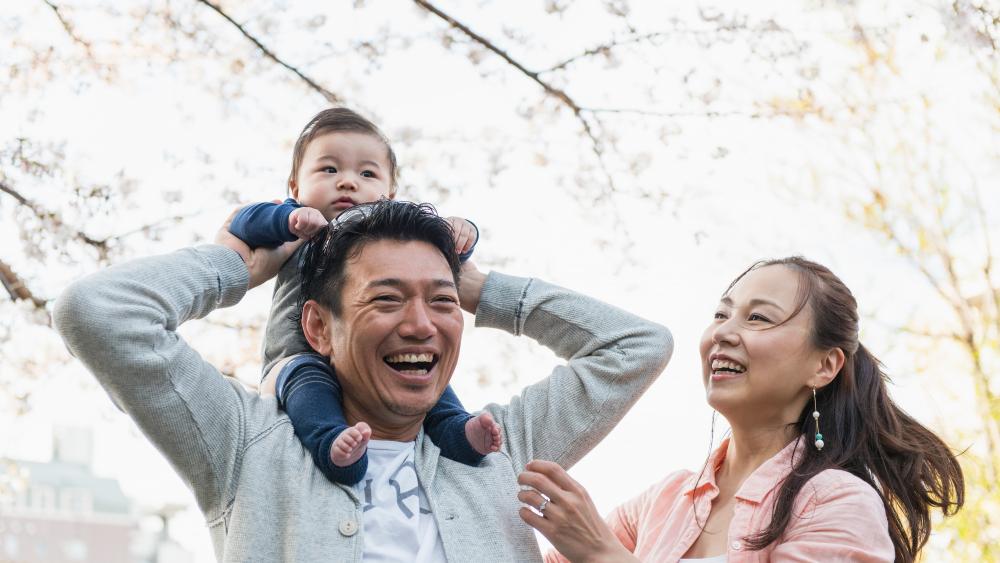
[[100, 245], [69, 29], [993, 292], [16, 288], [328, 95], [557, 93], [604, 48]]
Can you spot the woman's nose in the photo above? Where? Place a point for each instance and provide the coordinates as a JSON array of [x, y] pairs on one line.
[[726, 332]]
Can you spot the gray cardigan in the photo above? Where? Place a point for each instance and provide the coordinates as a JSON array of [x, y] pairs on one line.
[[263, 498]]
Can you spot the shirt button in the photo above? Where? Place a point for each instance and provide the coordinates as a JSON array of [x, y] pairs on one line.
[[348, 527], [736, 546]]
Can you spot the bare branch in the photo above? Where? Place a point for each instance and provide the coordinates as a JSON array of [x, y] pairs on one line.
[[929, 334], [100, 245], [237, 325], [70, 30], [992, 291], [327, 94], [16, 288], [700, 114], [605, 48], [557, 93]]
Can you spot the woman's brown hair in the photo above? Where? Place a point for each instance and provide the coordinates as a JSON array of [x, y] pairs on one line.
[[865, 432]]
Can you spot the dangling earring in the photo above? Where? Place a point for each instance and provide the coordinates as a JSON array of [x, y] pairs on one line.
[[819, 437]]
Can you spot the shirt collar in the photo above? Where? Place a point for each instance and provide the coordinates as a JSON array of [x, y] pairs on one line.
[[707, 477], [771, 473], [762, 481]]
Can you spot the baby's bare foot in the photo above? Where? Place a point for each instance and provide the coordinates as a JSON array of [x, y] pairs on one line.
[[350, 445], [483, 433]]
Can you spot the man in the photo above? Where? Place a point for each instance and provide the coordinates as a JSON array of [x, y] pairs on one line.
[[394, 291]]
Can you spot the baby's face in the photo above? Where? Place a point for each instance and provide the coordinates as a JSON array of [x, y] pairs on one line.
[[341, 169]]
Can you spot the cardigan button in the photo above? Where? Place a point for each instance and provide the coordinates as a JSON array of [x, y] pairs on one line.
[[348, 527], [736, 546]]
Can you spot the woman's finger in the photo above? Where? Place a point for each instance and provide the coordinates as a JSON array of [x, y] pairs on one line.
[[546, 527], [532, 497], [542, 484], [554, 473]]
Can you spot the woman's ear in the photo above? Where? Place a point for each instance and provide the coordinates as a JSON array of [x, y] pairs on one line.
[[830, 364], [316, 323]]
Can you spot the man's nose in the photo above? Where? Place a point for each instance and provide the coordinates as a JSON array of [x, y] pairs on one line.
[[417, 322]]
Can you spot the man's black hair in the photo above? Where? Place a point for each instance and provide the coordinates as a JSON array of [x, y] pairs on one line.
[[325, 257]]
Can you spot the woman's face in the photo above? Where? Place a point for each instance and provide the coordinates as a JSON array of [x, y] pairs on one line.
[[755, 369]]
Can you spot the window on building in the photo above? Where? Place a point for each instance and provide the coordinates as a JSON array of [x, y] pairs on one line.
[[76, 500], [75, 550], [43, 497]]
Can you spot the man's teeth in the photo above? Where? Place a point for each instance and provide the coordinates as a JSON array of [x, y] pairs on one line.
[[727, 365], [410, 358]]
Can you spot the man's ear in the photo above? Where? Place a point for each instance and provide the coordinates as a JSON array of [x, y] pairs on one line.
[[316, 323], [830, 364]]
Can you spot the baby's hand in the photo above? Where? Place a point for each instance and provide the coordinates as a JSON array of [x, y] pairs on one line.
[[305, 222], [465, 234]]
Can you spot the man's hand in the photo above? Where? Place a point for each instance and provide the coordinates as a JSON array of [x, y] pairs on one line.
[[305, 222], [465, 234], [263, 263], [470, 286]]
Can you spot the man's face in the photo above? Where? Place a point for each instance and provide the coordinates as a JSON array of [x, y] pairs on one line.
[[396, 342]]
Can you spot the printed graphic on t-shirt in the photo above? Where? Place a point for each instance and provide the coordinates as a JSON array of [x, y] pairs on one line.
[[398, 524], [404, 482]]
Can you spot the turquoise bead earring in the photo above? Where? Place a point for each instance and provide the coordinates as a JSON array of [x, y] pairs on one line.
[[819, 437]]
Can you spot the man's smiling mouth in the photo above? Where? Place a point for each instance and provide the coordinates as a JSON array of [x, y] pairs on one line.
[[412, 364]]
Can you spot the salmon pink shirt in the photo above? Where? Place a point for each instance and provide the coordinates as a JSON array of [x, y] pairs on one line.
[[837, 516]]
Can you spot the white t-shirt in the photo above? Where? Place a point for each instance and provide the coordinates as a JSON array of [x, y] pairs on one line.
[[397, 518]]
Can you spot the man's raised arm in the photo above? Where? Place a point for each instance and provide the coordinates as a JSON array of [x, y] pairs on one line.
[[612, 358], [121, 323]]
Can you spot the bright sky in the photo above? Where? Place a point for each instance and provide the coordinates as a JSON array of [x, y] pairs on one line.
[[738, 189]]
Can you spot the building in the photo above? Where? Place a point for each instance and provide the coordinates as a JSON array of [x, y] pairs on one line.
[[60, 512]]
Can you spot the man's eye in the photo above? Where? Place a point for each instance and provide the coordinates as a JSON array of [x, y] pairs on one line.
[[448, 299], [719, 315], [386, 298]]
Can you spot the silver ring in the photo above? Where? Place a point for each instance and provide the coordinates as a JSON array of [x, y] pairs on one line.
[[541, 507]]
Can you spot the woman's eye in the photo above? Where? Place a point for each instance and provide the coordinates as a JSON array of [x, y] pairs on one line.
[[757, 317]]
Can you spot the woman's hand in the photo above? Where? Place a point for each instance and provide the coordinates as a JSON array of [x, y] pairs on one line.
[[262, 263], [569, 518]]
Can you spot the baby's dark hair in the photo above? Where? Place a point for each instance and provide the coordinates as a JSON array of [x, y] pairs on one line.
[[340, 119], [325, 258]]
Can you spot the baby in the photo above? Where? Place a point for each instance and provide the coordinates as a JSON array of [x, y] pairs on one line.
[[341, 160]]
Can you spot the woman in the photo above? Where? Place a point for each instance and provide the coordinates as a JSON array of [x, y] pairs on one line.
[[821, 465]]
